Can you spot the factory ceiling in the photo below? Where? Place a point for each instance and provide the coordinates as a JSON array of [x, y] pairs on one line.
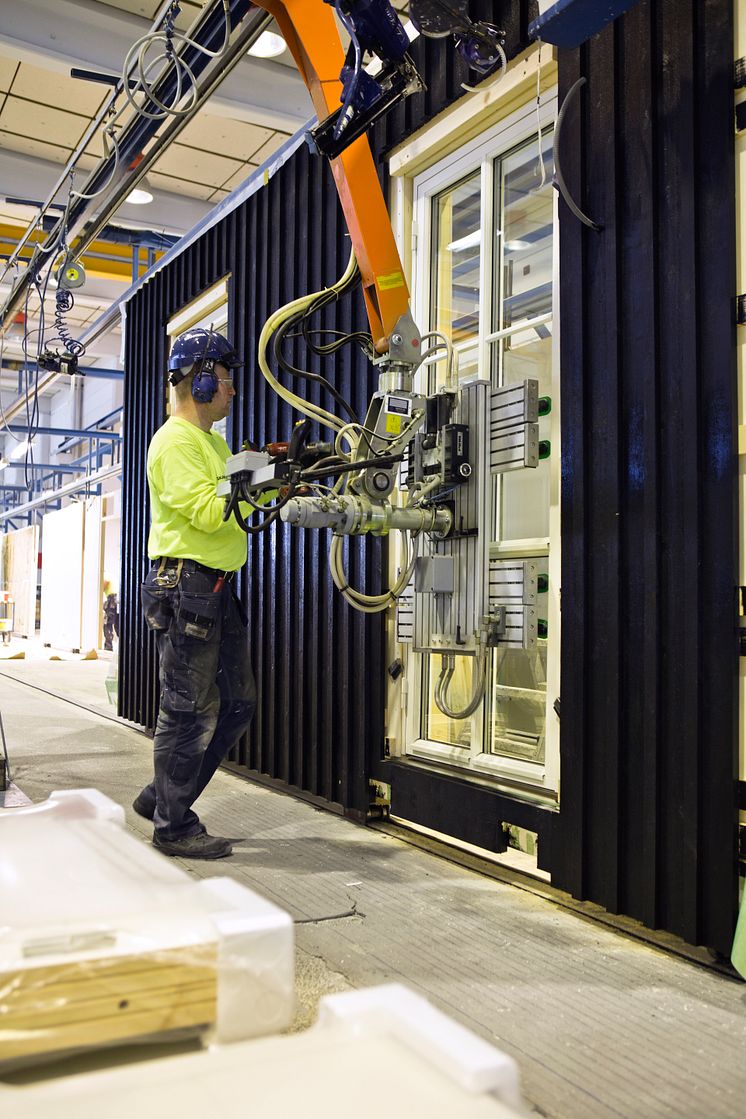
[[45, 114]]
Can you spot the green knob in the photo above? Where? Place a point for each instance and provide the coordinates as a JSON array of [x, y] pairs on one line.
[[542, 628], [545, 448], [542, 584], [545, 405]]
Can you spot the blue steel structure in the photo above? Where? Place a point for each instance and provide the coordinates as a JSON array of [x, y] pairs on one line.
[[568, 23]]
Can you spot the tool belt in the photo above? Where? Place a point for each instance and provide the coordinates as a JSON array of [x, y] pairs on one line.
[[168, 563]]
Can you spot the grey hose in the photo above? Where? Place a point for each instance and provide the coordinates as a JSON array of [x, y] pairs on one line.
[[444, 680], [559, 180]]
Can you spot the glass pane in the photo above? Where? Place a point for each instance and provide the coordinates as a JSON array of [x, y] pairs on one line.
[[456, 260], [518, 703], [438, 727], [523, 215]]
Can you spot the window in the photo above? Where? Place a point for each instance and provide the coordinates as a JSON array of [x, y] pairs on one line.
[[485, 237], [210, 311]]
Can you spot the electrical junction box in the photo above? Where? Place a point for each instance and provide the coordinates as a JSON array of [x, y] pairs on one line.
[[434, 575], [568, 23], [259, 472], [246, 461]]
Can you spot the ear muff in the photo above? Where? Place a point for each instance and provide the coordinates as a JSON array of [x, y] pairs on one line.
[[204, 384]]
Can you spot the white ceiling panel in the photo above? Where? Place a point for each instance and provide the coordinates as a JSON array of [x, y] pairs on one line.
[[147, 9], [233, 138], [8, 67], [196, 166], [144, 8], [42, 122], [73, 94], [239, 177], [269, 148], [181, 187], [36, 148]]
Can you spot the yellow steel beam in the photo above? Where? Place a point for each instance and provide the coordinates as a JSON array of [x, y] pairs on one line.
[[106, 260]]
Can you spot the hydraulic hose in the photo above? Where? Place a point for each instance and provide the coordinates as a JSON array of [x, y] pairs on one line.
[[448, 661]]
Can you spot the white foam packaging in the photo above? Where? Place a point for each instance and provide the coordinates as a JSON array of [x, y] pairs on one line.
[[381, 1050], [104, 940]]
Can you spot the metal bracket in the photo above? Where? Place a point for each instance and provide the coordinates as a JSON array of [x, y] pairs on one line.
[[514, 427], [405, 616], [379, 799]]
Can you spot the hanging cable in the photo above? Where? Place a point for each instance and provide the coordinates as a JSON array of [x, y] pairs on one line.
[[559, 179], [276, 320], [135, 61], [448, 662]]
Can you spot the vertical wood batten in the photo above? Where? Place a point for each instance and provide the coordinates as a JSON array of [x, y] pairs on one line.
[[575, 661], [639, 418], [720, 527], [603, 514]]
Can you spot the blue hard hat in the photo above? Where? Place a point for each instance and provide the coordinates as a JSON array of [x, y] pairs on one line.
[[202, 345]]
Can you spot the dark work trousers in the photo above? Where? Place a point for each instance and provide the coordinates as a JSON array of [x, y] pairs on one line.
[[111, 621], [208, 695]]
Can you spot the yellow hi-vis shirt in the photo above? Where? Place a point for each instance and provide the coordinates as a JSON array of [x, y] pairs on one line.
[[185, 465]]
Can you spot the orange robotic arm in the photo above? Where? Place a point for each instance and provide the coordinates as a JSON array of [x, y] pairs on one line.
[[310, 31]]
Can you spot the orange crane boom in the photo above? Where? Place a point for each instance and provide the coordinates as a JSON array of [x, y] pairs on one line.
[[310, 31]]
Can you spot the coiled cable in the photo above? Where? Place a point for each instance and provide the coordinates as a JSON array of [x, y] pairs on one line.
[[64, 303]]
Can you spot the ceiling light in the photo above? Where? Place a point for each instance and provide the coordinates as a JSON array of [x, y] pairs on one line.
[[470, 241], [268, 45], [139, 196], [3, 463], [517, 246]]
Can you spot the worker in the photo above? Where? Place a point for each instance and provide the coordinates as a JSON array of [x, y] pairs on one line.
[[208, 694], [111, 615]]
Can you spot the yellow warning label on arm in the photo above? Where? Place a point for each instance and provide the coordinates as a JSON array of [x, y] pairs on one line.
[[390, 280], [393, 424]]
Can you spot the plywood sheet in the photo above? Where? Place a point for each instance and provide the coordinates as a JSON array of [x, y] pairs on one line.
[[21, 564]]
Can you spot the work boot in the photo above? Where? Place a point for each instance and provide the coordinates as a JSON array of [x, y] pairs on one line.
[[144, 806], [200, 846]]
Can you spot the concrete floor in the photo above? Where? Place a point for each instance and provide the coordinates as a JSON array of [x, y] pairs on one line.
[[601, 1024]]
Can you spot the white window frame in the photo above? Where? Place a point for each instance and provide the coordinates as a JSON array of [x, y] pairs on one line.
[[514, 774]]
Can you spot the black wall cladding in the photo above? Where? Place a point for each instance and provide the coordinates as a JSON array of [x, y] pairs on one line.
[[319, 664], [647, 825], [649, 487]]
